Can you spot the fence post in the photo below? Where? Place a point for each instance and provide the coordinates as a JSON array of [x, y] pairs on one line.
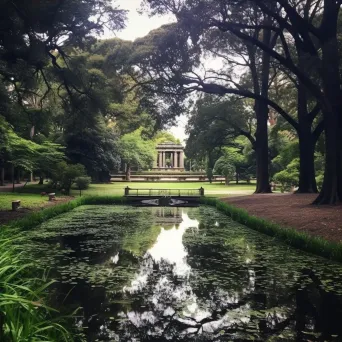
[[127, 191]]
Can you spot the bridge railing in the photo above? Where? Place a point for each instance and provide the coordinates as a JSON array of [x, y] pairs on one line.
[[144, 192]]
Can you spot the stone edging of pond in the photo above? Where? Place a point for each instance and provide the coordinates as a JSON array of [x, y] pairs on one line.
[[292, 237]]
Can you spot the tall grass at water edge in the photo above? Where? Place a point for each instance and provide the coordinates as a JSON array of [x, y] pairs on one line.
[[24, 313], [292, 237], [24, 290]]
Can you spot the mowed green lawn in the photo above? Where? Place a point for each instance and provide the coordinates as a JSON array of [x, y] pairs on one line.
[[217, 189], [30, 195], [30, 201]]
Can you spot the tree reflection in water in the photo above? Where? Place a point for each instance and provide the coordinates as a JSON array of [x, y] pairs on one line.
[[205, 278]]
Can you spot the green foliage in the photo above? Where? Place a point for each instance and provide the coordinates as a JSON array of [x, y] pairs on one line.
[[135, 151], [48, 156], [289, 177], [227, 164], [24, 311], [319, 180], [95, 147], [82, 183], [164, 136], [65, 175], [15, 150]]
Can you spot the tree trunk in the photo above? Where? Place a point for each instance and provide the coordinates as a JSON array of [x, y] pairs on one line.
[[13, 179], [261, 111], [2, 176], [128, 173], [261, 149], [18, 176], [307, 180], [41, 180], [227, 180], [236, 178], [331, 191]]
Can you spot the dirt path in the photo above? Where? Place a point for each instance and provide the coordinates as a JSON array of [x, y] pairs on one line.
[[294, 211], [8, 215]]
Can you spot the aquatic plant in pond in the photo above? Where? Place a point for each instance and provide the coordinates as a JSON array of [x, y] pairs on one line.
[[185, 274]]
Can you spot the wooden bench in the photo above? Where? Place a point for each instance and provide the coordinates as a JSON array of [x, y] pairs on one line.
[[15, 205]]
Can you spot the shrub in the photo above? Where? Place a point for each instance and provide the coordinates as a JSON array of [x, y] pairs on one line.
[[66, 174], [82, 183], [319, 181]]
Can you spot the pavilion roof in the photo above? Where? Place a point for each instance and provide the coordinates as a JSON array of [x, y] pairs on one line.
[[170, 145]]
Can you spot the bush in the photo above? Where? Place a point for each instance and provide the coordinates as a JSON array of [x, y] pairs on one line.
[[66, 174], [319, 181], [82, 183], [288, 177]]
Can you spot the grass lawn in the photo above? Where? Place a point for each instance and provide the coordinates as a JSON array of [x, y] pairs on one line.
[[27, 200], [117, 188], [217, 189]]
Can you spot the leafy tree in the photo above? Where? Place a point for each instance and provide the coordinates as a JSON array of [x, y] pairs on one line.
[[289, 177], [312, 28], [216, 123], [225, 167], [164, 136], [66, 174], [48, 156], [36, 37], [82, 183], [239, 161], [15, 151], [135, 151], [94, 147]]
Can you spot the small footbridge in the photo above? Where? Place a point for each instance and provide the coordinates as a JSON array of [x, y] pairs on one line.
[[164, 197]]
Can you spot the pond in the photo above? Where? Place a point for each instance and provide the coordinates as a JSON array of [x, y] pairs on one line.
[[185, 274]]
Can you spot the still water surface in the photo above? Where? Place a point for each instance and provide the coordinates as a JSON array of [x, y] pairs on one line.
[[185, 274]]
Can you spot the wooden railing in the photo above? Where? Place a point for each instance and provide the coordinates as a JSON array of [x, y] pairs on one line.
[[134, 192]]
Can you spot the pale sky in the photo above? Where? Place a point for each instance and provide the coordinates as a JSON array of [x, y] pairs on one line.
[[139, 26]]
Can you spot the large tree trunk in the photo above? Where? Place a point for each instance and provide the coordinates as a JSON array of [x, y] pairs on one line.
[[331, 191], [128, 172], [13, 177], [18, 176], [261, 135], [41, 180], [2, 176], [307, 180], [261, 149]]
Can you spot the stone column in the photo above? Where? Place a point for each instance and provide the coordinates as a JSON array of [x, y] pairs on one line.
[[176, 160], [172, 159], [160, 158], [181, 162], [164, 159]]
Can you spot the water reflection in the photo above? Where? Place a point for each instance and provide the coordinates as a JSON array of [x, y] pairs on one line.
[[175, 274]]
